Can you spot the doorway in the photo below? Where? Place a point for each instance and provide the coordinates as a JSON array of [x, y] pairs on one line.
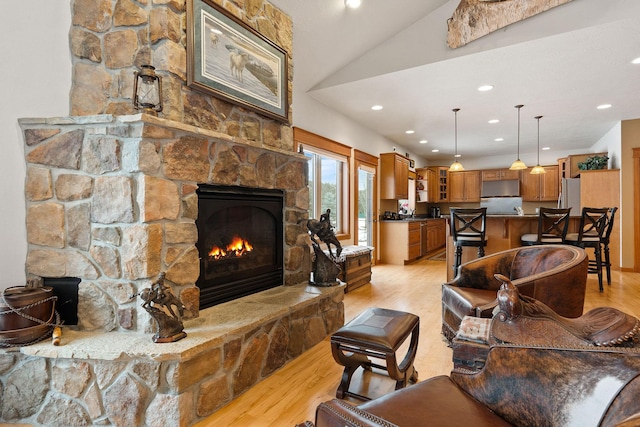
[[366, 227]]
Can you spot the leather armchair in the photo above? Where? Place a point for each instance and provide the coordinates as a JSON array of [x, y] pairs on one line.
[[553, 274], [554, 379]]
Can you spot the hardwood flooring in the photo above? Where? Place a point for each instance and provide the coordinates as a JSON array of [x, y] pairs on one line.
[[290, 395]]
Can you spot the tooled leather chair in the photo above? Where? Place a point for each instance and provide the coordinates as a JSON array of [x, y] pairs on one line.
[[553, 274], [557, 372]]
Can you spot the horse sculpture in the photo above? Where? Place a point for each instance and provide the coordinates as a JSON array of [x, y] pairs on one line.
[[161, 304], [324, 231]]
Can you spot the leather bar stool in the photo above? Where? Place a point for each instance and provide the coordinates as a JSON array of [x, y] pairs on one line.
[[553, 225], [592, 226], [468, 228]]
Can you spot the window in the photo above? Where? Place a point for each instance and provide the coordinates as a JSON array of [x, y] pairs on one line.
[[328, 178]]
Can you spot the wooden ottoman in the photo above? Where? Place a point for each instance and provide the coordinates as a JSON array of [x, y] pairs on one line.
[[377, 333]]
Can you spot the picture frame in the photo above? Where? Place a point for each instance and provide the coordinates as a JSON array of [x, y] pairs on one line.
[[230, 60]]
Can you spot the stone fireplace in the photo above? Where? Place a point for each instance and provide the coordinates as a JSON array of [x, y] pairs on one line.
[[116, 224], [112, 201]]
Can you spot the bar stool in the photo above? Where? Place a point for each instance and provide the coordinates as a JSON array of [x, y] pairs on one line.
[[553, 225], [468, 229], [605, 242], [592, 226]]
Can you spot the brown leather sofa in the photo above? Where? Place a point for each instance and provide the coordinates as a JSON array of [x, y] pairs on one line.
[[549, 377], [553, 274]]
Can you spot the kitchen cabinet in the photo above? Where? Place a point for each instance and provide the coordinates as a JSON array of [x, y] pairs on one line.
[[441, 184], [540, 188], [426, 185], [499, 174], [434, 235], [464, 186], [406, 241], [400, 241], [568, 166], [599, 189], [394, 176]]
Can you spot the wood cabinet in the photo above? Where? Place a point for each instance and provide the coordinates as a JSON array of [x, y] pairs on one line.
[[435, 236], [568, 166], [464, 186], [499, 174], [440, 184], [406, 241], [540, 188], [426, 185], [394, 176], [599, 189]]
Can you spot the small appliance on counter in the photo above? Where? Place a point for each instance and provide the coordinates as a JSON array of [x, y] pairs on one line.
[[388, 215], [435, 212]]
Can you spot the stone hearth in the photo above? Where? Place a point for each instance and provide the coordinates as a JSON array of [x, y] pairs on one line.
[[127, 380]]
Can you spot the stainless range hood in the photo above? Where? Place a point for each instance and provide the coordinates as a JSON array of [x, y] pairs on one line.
[[505, 188]]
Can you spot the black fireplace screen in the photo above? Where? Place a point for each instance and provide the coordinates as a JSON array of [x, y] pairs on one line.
[[240, 242]]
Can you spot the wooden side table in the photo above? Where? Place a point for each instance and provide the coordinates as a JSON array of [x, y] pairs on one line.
[[376, 333]]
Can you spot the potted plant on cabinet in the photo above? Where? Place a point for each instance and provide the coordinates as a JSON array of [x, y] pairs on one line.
[[594, 163]]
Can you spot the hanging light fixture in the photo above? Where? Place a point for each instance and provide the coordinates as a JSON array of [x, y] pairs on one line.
[[456, 166], [518, 164], [537, 169]]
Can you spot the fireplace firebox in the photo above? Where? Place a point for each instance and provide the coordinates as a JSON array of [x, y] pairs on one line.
[[240, 242]]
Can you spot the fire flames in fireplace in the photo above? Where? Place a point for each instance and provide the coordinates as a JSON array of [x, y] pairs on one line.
[[237, 248]]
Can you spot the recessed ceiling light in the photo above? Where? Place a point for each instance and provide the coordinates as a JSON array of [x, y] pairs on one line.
[[423, 141], [409, 132], [376, 107], [485, 88], [545, 148], [604, 106], [636, 61], [435, 150], [499, 139], [494, 121], [352, 3]]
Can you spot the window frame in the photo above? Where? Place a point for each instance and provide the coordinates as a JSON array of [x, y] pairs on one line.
[[324, 146]]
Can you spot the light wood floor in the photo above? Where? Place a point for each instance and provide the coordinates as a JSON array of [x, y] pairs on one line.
[[290, 395]]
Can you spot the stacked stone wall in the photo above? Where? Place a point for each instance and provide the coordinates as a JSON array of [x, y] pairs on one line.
[[112, 201], [110, 39]]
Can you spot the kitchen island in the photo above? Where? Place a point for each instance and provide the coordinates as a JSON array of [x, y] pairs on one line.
[[503, 232]]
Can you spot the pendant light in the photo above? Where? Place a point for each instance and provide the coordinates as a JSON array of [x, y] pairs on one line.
[[456, 166], [518, 164], [537, 169]]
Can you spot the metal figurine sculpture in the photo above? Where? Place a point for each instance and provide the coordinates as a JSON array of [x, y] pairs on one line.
[[165, 308], [324, 231], [325, 269]]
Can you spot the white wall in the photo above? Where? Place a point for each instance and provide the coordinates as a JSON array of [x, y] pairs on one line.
[[36, 79], [611, 143]]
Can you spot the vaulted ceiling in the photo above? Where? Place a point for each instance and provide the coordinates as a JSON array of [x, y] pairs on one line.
[[560, 64]]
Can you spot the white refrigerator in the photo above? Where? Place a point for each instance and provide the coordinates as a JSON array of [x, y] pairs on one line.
[[570, 195]]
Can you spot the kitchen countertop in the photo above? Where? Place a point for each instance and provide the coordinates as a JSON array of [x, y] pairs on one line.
[[415, 219]]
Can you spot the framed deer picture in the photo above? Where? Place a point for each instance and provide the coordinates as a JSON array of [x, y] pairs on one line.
[[230, 60]]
